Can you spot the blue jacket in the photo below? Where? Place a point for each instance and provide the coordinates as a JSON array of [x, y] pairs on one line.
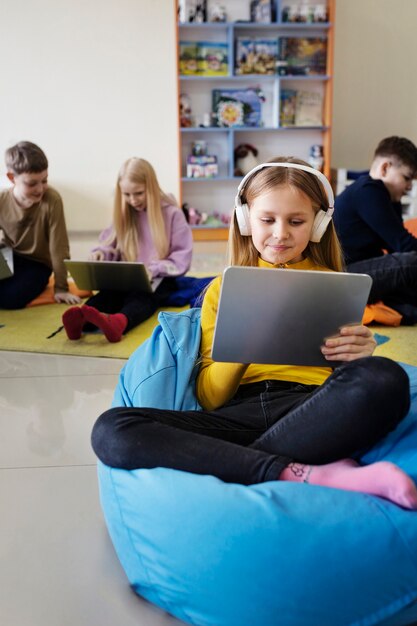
[[161, 372]]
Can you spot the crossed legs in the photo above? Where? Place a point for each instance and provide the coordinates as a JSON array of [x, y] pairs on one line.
[[312, 442]]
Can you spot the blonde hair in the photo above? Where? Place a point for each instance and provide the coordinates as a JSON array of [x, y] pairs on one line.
[[141, 172], [327, 252]]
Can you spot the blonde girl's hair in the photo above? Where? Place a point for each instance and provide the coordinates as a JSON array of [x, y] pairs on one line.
[[326, 253], [125, 222]]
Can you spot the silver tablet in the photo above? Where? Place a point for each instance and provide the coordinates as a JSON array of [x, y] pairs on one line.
[[114, 275], [282, 316], [6, 262]]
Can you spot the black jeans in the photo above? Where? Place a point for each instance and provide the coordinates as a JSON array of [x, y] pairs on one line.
[[253, 437], [28, 281], [138, 306], [394, 279]]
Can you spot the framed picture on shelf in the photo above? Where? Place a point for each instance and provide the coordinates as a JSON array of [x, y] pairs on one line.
[[244, 55], [302, 56], [203, 58], [202, 166], [266, 55], [287, 107], [212, 58], [300, 108], [237, 107], [256, 56], [188, 63], [309, 108]]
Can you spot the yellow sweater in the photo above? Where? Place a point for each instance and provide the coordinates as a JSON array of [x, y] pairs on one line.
[[218, 382]]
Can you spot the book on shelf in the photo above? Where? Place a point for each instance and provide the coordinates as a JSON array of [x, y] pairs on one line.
[[244, 55], [256, 56], [287, 105], [300, 108], [302, 56], [188, 64], [202, 166], [266, 55], [237, 107], [212, 58], [309, 108], [203, 58]]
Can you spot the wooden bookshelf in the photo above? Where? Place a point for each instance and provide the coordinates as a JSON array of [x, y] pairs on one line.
[[215, 195]]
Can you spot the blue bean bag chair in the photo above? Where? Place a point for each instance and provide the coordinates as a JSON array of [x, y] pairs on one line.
[[271, 554]]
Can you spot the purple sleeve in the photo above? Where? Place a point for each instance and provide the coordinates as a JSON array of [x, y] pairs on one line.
[[108, 245], [178, 260]]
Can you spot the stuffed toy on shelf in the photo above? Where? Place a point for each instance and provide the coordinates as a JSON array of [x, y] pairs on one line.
[[245, 159]]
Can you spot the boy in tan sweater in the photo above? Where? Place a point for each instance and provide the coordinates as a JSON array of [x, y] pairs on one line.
[[33, 224]]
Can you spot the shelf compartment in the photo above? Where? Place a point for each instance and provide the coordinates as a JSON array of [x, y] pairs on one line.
[[217, 194]]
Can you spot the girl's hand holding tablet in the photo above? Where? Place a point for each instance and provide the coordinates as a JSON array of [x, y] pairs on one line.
[[353, 342]]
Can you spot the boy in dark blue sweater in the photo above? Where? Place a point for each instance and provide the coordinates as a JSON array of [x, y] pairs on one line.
[[369, 222]]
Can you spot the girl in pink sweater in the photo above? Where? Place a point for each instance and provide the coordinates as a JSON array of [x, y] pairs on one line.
[[149, 228]]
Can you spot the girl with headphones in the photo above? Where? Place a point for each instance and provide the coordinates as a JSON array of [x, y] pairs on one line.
[[276, 422]]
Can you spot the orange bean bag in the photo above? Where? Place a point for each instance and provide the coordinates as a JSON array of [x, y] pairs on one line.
[[47, 296]]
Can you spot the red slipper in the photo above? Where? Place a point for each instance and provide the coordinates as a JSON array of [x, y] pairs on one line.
[[73, 320], [111, 325]]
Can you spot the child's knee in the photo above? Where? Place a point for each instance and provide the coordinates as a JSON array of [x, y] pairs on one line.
[[103, 433], [389, 383], [13, 304], [388, 372]]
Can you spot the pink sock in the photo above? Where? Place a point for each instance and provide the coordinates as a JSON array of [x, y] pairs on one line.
[[382, 479], [73, 320], [111, 325]]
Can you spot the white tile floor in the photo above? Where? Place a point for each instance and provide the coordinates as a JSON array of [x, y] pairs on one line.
[[58, 566]]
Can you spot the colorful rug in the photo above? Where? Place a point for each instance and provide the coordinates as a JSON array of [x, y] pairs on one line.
[[401, 344], [30, 330]]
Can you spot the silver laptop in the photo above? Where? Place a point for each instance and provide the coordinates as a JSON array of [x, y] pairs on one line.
[[6, 262], [117, 276], [281, 316]]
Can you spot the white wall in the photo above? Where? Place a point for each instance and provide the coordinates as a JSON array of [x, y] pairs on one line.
[[375, 86], [93, 82]]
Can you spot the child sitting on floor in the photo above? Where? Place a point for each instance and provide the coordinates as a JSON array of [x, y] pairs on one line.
[[33, 224], [369, 223], [147, 227]]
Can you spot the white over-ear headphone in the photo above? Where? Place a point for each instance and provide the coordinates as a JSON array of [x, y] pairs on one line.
[[322, 219]]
